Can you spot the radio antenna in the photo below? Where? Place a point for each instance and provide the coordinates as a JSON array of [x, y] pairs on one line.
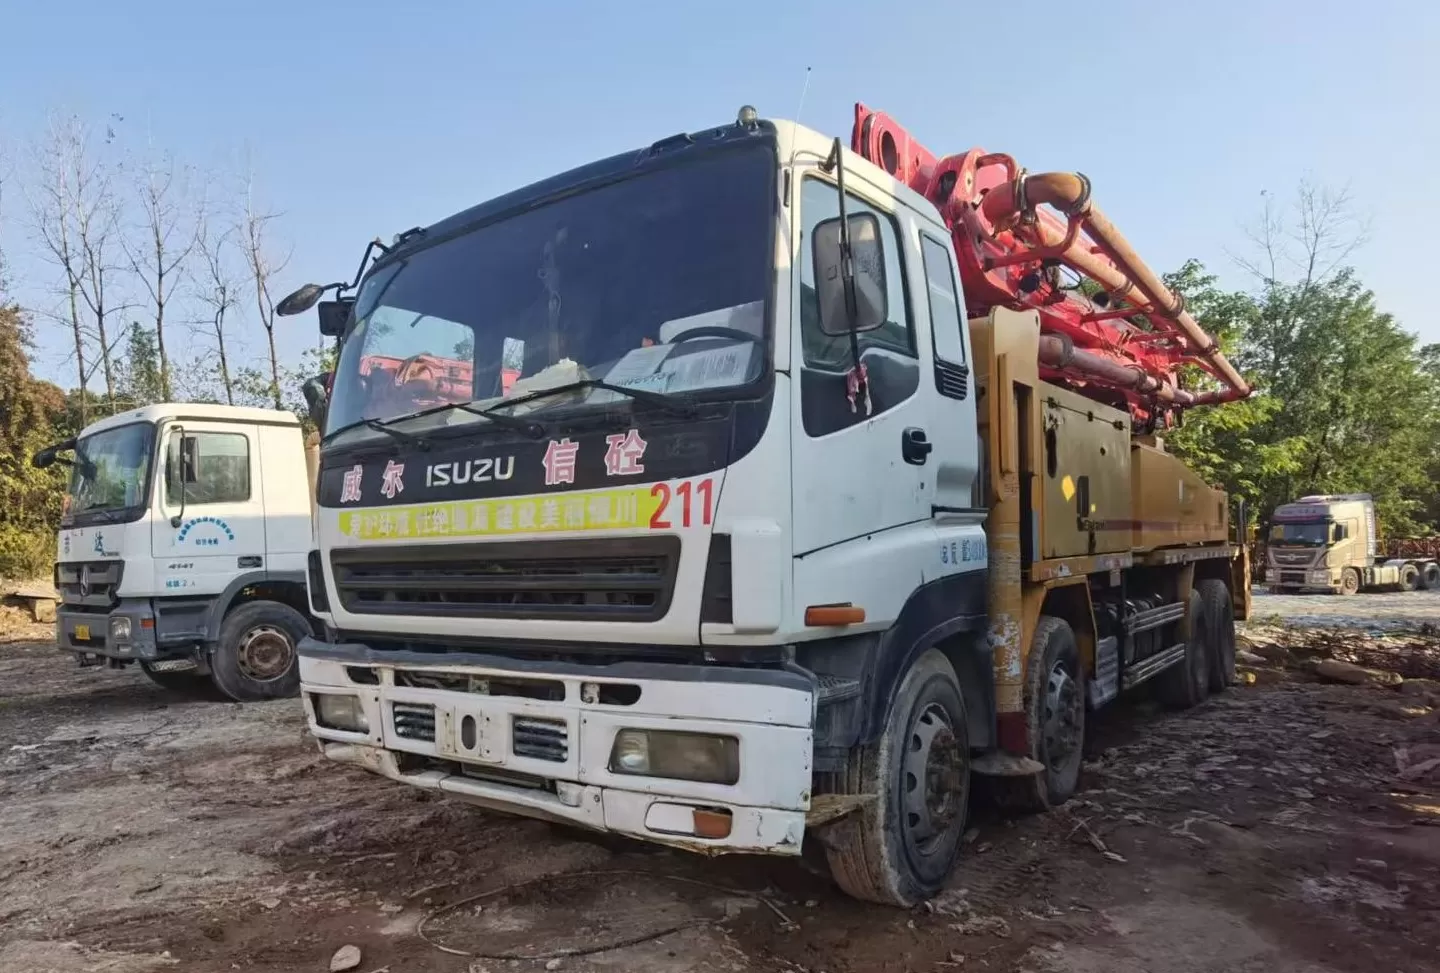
[[804, 90], [794, 143]]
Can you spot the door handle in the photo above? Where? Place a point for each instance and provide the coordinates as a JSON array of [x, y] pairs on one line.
[[914, 446]]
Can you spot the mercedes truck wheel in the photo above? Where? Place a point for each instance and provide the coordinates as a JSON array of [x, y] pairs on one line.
[[256, 656]]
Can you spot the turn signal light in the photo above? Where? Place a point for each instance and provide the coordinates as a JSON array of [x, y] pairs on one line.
[[824, 615]]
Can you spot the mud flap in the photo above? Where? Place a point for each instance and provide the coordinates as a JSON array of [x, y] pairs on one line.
[[1240, 594]]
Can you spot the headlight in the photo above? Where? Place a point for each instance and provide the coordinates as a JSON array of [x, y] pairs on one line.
[[676, 756], [340, 713], [1319, 577], [120, 629]]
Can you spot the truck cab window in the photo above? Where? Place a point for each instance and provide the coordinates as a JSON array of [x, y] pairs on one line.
[[888, 352], [215, 467], [947, 323]]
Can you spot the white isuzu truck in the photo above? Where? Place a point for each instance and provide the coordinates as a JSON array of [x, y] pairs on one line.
[[688, 495], [182, 547]]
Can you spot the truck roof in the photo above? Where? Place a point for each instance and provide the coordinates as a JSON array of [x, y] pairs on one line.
[[194, 410], [791, 140]]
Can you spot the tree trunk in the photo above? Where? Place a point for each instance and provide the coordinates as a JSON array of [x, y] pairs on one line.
[[274, 367], [79, 351], [160, 312], [224, 361]]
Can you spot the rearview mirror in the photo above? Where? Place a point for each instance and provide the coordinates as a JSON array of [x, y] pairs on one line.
[[333, 317], [189, 458], [868, 255], [300, 301], [316, 399]]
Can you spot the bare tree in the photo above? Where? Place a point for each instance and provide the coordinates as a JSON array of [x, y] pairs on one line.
[[75, 218], [217, 288], [158, 259], [263, 265]]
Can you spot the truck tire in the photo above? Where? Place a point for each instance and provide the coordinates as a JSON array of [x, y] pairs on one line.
[[1409, 578], [1350, 581], [1430, 576], [1220, 633], [256, 656], [1055, 721], [899, 848], [190, 683], [1187, 683]]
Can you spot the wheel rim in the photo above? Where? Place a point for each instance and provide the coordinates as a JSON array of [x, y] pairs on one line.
[[265, 653], [1062, 721], [934, 780]]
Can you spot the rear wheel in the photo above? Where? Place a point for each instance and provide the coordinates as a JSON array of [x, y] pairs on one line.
[[1187, 683], [1219, 617], [1409, 578], [1430, 576], [899, 848], [256, 656], [1055, 719], [1349, 581]]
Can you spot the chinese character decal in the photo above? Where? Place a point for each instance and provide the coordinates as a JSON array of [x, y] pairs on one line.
[[350, 487], [623, 454], [391, 483], [560, 462]]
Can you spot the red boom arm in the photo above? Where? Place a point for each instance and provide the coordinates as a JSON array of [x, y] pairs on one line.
[[1130, 338]]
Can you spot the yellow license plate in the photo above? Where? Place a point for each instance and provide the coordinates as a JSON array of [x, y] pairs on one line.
[[82, 632]]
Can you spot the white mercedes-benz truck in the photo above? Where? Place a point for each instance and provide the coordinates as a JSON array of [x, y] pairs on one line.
[[182, 547]]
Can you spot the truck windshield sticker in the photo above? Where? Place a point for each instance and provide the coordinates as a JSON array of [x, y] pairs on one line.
[[623, 454], [657, 506]]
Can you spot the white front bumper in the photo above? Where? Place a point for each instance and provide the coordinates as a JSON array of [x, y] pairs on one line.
[[772, 725]]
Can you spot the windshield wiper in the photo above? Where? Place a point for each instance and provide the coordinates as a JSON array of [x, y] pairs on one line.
[[379, 425], [529, 427], [675, 404]]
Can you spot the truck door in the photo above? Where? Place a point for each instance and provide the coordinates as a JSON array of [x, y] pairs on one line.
[[850, 468], [211, 527]]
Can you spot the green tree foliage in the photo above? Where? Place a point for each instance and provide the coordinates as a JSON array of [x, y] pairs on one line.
[[32, 415], [140, 379], [1345, 401]]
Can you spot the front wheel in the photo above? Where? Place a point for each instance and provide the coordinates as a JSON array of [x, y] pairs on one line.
[[899, 848], [256, 656], [1055, 718], [1349, 581]]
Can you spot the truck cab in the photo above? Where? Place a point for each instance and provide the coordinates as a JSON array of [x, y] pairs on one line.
[[182, 546], [1331, 543]]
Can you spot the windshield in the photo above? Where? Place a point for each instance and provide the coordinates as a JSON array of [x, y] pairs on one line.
[[111, 470], [659, 282], [1313, 534]]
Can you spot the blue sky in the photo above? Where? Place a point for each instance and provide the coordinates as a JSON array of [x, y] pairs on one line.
[[362, 119]]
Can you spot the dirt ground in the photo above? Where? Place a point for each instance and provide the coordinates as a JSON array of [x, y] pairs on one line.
[[1291, 826]]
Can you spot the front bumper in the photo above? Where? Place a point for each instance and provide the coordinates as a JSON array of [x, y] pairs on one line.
[[127, 632], [464, 741], [1306, 578]]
